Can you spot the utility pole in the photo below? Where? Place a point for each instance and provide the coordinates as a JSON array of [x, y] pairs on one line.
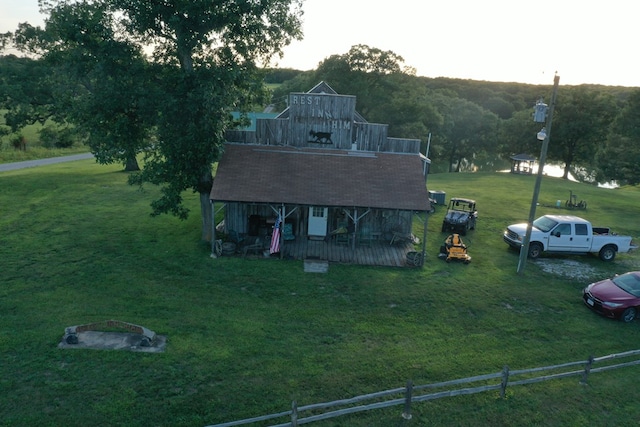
[[524, 249]]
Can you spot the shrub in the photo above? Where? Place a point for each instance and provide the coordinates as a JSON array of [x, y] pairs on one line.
[[19, 142], [52, 137]]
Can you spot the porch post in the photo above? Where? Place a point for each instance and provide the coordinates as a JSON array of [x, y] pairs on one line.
[[424, 237], [213, 230], [284, 218], [355, 229]]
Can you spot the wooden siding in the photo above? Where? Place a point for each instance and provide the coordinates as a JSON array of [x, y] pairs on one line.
[[370, 136], [241, 136], [372, 225], [236, 217], [367, 136], [272, 131], [400, 145], [325, 120]]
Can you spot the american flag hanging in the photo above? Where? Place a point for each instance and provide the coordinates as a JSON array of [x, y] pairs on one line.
[[275, 237]]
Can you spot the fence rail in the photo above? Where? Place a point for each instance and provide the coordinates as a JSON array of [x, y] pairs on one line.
[[409, 396]]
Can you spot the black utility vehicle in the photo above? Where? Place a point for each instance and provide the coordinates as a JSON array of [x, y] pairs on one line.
[[461, 216]]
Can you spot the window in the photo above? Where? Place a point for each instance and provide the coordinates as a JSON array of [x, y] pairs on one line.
[[581, 230], [563, 230], [317, 212]]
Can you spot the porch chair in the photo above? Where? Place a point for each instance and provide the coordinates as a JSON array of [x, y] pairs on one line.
[[364, 235], [235, 237], [342, 234], [287, 232], [232, 243], [257, 246]]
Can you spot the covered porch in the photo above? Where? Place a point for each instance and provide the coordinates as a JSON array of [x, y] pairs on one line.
[[378, 252], [374, 253], [333, 205]]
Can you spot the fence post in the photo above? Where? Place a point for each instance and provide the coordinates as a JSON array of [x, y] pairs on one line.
[[294, 414], [406, 414], [505, 380], [587, 369]]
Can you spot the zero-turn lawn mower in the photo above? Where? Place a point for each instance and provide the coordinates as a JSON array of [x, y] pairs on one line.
[[454, 249]]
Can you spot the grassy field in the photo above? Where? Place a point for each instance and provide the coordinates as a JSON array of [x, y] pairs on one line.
[[34, 150], [246, 337]]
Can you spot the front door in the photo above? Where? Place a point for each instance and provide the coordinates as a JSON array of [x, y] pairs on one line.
[[318, 221]]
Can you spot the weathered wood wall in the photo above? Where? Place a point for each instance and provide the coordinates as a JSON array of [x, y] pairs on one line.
[[370, 136], [272, 131], [366, 136], [377, 221], [401, 145], [241, 136], [235, 217], [323, 121]]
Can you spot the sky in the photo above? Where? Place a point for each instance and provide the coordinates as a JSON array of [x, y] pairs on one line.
[[583, 41]]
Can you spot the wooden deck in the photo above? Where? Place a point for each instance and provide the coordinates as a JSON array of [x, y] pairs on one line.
[[378, 252]]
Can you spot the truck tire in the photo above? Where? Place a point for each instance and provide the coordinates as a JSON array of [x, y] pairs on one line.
[[608, 253], [535, 250]]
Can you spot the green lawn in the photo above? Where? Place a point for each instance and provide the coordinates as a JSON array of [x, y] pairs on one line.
[[246, 337]]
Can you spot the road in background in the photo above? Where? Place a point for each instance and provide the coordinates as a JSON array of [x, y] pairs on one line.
[[43, 162]]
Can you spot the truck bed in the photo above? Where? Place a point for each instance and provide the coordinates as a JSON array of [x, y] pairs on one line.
[[602, 231]]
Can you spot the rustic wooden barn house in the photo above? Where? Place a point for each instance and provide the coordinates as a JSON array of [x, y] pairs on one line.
[[345, 190]]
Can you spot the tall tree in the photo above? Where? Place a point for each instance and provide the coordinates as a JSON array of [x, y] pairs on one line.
[[109, 102], [517, 135], [409, 109], [620, 156], [25, 91], [468, 130], [387, 90], [205, 60], [365, 72], [581, 121]]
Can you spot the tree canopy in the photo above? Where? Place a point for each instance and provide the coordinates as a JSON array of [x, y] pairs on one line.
[[477, 124], [157, 82], [581, 123], [162, 78], [619, 156]]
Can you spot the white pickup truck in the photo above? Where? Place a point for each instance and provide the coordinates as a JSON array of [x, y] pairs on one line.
[[567, 234]]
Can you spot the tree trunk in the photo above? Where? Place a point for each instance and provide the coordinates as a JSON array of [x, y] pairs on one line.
[[567, 168], [451, 162], [131, 165], [206, 210], [204, 189]]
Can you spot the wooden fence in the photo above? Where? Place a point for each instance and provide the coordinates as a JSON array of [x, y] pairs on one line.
[[418, 393]]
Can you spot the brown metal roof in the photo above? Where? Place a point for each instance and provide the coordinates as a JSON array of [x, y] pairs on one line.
[[269, 174]]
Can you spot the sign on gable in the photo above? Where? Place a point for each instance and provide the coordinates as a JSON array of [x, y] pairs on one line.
[[325, 118]]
